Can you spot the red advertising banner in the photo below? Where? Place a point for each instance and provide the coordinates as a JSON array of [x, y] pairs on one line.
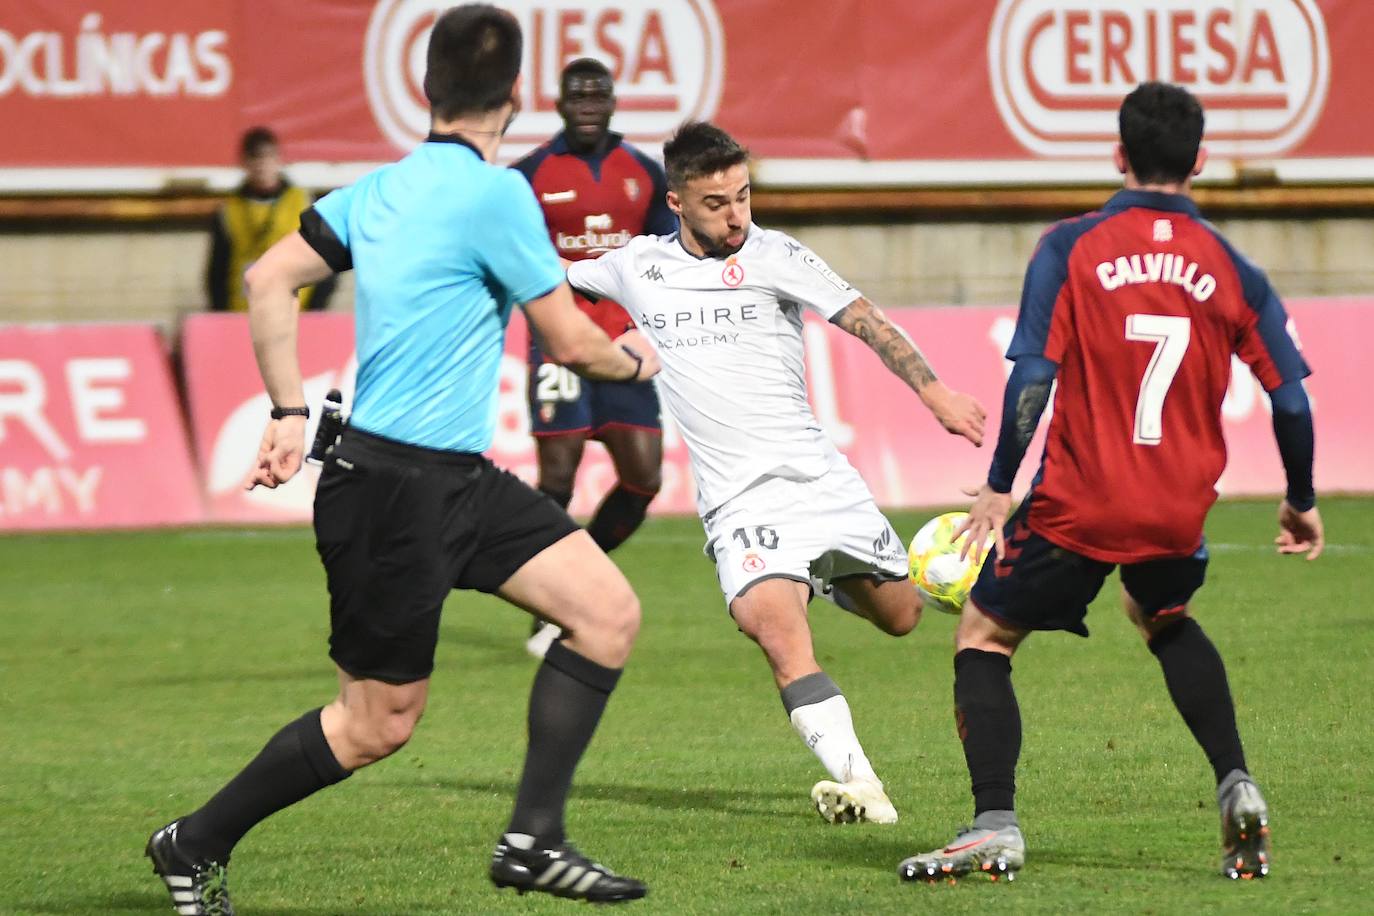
[[907, 459], [229, 408], [90, 430], [823, 91]]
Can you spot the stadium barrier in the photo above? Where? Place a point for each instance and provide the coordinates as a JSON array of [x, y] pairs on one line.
[[91, 435]]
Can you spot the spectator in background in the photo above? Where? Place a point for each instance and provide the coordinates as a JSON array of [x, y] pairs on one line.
[[264, 209]]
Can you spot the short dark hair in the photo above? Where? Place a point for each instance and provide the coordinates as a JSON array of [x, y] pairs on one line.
[[255, 139], [1161, 130], [473, 60], [697, 149], [584, 66]]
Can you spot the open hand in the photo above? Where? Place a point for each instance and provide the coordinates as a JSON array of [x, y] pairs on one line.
[[958, 413], [988, 514]]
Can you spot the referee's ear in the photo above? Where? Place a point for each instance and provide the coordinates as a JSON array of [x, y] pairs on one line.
[[674, 203]]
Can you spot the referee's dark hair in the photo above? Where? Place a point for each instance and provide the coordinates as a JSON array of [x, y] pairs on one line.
[[1161, 131], [698, 149], [473, 60]]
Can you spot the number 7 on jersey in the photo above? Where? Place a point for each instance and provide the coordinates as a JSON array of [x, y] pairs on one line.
[[1170, 335]]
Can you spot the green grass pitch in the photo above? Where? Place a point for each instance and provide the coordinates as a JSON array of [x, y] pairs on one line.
[[139, 671]]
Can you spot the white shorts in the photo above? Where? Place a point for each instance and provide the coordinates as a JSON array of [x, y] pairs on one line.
[[822, 529]]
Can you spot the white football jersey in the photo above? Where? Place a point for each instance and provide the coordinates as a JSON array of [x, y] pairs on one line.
[[728, 332]]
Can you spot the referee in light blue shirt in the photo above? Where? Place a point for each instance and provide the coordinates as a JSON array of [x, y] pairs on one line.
[[443, 245]]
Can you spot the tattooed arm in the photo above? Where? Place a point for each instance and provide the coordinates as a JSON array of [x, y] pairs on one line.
[[958, 413], [1028, 391]]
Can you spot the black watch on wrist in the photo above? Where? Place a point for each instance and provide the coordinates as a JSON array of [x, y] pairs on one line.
[[279, 412]]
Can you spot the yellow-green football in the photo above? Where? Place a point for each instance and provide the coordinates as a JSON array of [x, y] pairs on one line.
[[943, 579]]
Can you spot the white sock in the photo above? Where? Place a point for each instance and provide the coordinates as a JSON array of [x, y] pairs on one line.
[[828, 729], [520, 841]]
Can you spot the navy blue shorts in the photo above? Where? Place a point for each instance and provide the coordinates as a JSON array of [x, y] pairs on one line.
[[1042, 586], [562, 402]]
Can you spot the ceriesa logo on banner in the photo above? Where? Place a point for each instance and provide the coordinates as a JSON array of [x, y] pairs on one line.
[[1059, 69], [667, 58]]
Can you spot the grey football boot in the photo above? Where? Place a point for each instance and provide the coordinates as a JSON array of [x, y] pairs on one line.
[[1244, 827], [997, 852]]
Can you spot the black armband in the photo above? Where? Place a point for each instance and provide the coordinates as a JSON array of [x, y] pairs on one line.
[[327, 244]]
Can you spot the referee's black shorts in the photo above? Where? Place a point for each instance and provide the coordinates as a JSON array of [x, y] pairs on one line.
[[397, 527]]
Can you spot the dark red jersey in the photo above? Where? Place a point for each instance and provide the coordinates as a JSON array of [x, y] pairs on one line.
[[595, 203], [1142, 305]]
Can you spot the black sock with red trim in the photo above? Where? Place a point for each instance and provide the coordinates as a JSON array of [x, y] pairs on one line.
[[620, 513], [989, 723], [557, 496], [1196, 677]]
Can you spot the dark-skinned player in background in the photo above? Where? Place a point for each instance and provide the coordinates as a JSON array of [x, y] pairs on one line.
[[597, 192]]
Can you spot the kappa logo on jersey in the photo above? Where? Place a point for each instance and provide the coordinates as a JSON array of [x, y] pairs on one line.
[[653, 273], [753, 563], [632, 188], [667, 58], [792, 248], [733, 274], [1059, 68], [820, 267], [1163, 230]]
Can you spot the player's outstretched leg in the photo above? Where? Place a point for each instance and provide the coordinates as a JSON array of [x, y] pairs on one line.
[[997, 851], [772, 612], [1244, 827], [821, 716]]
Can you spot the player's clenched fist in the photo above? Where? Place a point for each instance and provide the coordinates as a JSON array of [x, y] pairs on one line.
[[279, 453]]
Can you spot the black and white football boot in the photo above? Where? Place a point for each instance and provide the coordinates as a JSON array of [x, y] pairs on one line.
[[198, 888], [561, 871]]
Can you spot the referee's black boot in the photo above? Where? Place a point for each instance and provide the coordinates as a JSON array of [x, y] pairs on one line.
[[198, 888], [562, 871]]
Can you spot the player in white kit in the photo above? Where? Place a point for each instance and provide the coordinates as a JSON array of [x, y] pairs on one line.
[[784, 512]]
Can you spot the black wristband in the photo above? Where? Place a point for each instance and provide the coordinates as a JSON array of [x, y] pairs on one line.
[[279, 412], [639, 363]]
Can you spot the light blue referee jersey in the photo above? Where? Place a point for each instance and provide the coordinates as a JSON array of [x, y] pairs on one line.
[[442, 246]]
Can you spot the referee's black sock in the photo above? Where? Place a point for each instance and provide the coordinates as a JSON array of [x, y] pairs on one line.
[[297, 762], [557, 496], [989, 723], [1197, 683], [569, 694], [620, 513]]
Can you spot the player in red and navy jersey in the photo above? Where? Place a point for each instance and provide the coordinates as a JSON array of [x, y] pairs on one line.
[[1136, 310], [597, 192]]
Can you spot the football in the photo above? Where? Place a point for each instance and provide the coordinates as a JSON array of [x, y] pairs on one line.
[[942, 578]]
